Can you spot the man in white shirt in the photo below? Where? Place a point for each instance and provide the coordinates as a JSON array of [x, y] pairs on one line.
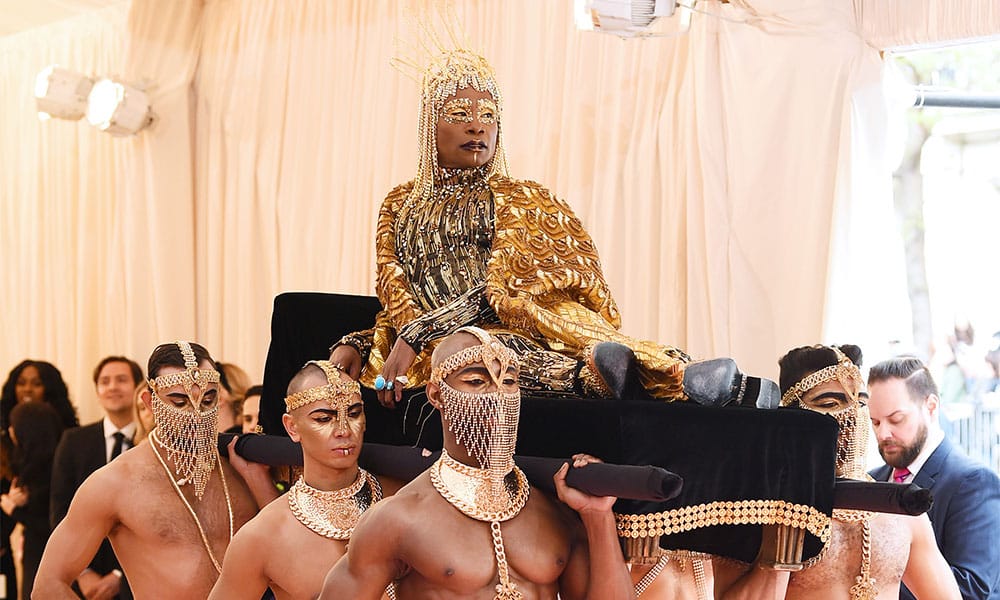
[[965, 516], [83, 450]]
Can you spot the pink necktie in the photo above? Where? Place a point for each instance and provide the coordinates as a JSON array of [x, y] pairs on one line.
[[900, 475]]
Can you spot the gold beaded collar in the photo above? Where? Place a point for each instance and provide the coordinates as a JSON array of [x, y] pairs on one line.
[[334, 514], [474, 492], [337, 393], [845, 371]]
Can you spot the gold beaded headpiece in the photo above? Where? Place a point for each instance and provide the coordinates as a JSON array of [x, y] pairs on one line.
[[191, 376], [337, 393], [444, 64], [845, 372], [489, 351]]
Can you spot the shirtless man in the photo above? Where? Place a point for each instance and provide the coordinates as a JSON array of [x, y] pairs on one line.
[[868, 553], [169, 506], [471, 526], [292, 544]]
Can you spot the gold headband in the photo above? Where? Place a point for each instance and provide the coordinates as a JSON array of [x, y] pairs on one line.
[[335, 393], [189, 377], [845, 371], [489, 350]]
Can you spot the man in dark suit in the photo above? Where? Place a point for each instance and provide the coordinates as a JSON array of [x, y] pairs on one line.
[[83, 450], [965, 515]]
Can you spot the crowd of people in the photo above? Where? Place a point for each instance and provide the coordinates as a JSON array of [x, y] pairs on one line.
[[490, 288]]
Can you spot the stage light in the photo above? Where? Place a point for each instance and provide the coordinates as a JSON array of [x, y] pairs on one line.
[[118, 108], [61, 93], [624, 18]]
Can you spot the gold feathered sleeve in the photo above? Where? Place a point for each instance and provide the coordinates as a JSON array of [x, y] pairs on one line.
[[544, 276]]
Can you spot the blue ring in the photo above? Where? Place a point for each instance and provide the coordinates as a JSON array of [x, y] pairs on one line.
[[380, 383], [389, 385]]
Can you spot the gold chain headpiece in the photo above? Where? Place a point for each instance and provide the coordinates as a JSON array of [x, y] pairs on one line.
[[191, 376], [489, 350], [845, 371], [337, 393]]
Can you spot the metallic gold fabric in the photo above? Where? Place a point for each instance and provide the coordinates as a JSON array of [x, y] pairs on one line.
[[543, 281]]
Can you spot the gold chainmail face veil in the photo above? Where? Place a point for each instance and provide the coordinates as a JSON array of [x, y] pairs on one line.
[[484, 424], [189, 436], [445, 64], [853, 419]]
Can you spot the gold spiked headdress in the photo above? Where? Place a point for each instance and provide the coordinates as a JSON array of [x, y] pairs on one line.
[[443, 63]]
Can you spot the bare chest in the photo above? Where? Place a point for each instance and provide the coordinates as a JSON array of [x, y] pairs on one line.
[[842, 562], [459, 554]]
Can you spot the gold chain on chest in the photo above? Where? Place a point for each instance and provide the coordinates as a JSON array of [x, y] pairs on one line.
[[154, 441], [865, 586], [334, 514]]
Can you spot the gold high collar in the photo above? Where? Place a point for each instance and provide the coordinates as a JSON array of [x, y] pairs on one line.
[[334, 514]]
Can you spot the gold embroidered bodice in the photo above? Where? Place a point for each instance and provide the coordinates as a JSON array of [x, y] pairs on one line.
[[443, 244]]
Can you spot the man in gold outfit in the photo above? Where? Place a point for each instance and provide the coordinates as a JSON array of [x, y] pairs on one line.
[[465, 244], [293, 542], [471, 526], [867, 553], [171, 505]]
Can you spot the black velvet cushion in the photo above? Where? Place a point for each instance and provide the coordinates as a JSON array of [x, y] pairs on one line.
[[732, 454], [721, 453]]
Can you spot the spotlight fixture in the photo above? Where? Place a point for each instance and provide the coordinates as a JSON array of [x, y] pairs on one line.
[[61, 93], [624, 18], [118, 108]]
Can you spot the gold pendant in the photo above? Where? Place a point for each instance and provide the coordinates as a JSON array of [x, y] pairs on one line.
[[507, 593], [864, 589]]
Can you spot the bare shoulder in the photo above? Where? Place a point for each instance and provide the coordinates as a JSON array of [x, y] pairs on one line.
[[917, 527], [129, 469], [268, 523], [404, 505]]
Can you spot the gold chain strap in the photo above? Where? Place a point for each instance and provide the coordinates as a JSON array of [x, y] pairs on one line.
[[651, 576], [225, 488], [505, 589], [698, 567], [864, 588]]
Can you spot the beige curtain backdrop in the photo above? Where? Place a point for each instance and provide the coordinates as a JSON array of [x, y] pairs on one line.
[[710, 168], [61, 209]]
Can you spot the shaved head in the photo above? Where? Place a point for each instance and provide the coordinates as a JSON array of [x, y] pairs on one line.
[[308, 377]]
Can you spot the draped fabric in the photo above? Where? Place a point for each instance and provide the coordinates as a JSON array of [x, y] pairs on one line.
[[895, 23], [709, 168], [61, 206]]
